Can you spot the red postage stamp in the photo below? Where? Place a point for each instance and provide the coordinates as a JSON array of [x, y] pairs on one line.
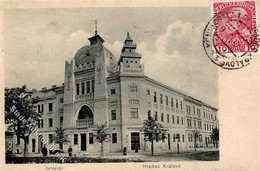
[[235, 27]]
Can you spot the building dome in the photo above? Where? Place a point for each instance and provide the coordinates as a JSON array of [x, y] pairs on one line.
[[84, 55], [87, 54]]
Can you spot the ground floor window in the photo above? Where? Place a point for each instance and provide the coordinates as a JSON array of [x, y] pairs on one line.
[[50, 138], [17, 139], [33, 145], [75, 139], [91, 140]]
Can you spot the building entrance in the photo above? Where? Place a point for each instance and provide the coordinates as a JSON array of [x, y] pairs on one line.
[[135, 140], [83, 142]]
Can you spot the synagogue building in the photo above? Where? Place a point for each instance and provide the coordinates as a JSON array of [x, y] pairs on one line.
[[98, 88]]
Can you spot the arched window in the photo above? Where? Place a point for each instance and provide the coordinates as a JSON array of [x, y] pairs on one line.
[[85, 113]]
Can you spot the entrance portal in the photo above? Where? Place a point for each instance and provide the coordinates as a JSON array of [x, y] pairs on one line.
[[135, 140], [83, 141]]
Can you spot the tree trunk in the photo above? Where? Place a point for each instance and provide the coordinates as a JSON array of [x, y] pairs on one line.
[[25, 147], [195, 144], [216, 144], [102, 149], [152, 147]]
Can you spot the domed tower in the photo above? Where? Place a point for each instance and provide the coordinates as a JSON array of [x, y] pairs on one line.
[[85, 86]]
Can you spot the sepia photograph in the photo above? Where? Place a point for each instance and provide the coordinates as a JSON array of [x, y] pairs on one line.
[[123, 84]]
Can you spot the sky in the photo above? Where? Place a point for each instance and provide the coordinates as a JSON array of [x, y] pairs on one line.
[[37, 42]]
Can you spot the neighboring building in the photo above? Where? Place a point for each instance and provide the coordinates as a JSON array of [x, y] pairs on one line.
[[98, 88]]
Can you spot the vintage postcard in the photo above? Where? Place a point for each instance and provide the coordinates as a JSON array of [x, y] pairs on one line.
[[130, 85]]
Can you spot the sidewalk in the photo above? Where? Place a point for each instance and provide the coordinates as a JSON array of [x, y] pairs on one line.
[[162, 155], [158, 155]]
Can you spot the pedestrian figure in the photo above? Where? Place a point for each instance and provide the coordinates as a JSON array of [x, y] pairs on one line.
[[124, 152], [136, 148], [44, 151], [70, 151]]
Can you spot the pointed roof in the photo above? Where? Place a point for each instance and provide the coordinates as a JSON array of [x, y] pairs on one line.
[[128, 44], [128, 38]]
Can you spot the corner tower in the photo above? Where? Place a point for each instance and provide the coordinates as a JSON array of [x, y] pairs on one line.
[[129, 60]]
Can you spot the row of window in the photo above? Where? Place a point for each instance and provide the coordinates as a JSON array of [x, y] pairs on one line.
[[133, 89], [209, 116], [179, 120], [194, 110], [131, 60], [91, 138], [177, 102], [194, 124], [191, 137], [208, 127], [176, 137], [86, 65], [50, 122], [41, 107], [133, 114], [84, 87]]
